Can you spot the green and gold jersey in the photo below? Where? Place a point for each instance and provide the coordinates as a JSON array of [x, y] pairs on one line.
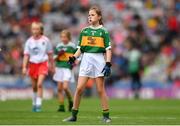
[[68, 50], [94, 40]]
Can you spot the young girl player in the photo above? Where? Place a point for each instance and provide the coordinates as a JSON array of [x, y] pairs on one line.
[[38, 51], [94, 42], [63, 73]]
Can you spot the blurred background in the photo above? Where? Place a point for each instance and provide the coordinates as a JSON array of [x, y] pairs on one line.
[[144, 35]]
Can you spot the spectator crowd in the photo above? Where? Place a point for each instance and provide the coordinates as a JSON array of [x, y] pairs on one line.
[[149, 26]]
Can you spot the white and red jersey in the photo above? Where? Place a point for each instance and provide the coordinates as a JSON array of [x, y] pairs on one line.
[[38, 49]]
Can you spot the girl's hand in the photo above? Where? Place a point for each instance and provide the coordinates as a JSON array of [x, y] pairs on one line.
[[71, 60], [24, 71], [52, 69], [107, 69]]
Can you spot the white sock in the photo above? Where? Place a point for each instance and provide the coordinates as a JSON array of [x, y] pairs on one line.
[[34, 98], [39, 101]]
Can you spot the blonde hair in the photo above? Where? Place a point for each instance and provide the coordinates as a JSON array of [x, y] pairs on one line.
[[38, 24], [67, 33], [98, 12]]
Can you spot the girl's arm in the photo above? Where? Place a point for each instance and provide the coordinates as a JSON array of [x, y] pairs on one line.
[[108, 55], [73, 58], [51, 62], [107, 68], [77, 53], [25, 63]]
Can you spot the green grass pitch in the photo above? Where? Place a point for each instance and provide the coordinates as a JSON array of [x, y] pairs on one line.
[[122, 112]]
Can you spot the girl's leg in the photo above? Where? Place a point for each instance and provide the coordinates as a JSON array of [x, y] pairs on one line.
[[34, 87], [61, 97], [40, 89], [79, 90], [103, 96], [77, 97], [68, 94]]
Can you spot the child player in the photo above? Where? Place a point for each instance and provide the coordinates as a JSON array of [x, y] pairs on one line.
[[38, 51], [94, 43], [63, 73]]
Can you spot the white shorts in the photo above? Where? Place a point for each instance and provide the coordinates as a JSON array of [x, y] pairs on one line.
[[92, 65], [62, 74]]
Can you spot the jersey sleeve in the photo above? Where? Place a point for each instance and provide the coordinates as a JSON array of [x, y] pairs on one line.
[[74, 48], [80, 39], [26, 48], [55, 53], [107, 42], [56, 49]]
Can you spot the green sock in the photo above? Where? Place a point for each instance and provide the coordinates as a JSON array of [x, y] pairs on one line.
[[70, 100], [106, 113], [61, 106], [74, 112]]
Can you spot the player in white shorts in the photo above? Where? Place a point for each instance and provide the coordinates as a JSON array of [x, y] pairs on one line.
[[37, 53], [94, 44], [63, 71]]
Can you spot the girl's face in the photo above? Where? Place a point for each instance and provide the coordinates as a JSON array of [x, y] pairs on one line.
[[36, 30], [93, 18], [64, 38]]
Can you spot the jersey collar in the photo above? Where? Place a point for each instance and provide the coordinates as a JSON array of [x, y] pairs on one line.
[[100, 26]]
